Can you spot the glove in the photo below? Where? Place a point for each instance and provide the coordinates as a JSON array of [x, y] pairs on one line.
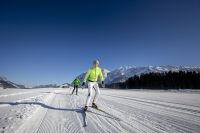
[[83, 83], [103, 85]]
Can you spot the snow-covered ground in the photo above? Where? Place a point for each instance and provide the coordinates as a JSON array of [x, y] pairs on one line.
[[56, 111]]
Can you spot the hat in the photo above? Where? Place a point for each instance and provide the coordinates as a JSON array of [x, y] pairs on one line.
[[96, 62]]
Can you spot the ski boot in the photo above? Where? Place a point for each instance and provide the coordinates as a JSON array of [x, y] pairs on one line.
[[94, 106], [85, 109]]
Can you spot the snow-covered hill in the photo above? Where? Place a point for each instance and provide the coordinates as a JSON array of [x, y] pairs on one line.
[[5, 83], [123, 73]]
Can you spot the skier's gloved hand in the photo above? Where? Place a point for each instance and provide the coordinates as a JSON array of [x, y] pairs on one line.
[[102, 83], [83, 84]]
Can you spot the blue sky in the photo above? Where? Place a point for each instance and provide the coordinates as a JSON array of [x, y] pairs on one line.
[[45, 42]]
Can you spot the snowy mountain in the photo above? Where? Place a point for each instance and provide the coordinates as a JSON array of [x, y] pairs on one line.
[[123, 73], [5, 83]]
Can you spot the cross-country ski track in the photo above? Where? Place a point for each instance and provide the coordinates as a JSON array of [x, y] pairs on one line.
[[55, 110]]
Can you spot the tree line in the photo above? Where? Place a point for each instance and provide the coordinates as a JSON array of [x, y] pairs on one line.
[[166, 80]]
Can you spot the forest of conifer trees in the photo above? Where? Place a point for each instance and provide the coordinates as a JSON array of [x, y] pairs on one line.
[[167, 80]]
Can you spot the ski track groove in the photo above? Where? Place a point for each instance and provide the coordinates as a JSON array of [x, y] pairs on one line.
[[168, 110], [47, 120], [130, 122], [74, 106], [176, 113], [41, 122], [160, 120], [107, 122], [150, 99], [70, 122], [97, 126], [97, 120], [116, 125], [140, 120], [164, 105]]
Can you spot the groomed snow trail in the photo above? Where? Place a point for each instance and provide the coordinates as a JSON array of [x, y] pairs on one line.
[[56, 111]]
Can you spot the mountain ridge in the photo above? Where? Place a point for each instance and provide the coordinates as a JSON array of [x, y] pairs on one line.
[[122, 73]]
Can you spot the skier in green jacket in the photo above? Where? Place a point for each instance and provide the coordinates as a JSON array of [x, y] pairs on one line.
[[92, 77], [76, 83]]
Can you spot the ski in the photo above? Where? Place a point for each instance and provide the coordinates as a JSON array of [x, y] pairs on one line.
[[84, 118]]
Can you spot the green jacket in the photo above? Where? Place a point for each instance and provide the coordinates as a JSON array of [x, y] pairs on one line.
[[76, 82], [93, 74]]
